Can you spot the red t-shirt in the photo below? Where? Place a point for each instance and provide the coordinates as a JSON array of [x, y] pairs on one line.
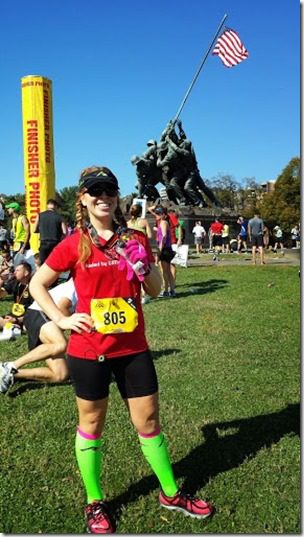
[[217, 228], [100, 278], [173, 222]]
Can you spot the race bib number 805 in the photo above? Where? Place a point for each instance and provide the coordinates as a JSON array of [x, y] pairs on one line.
[[114, 315]]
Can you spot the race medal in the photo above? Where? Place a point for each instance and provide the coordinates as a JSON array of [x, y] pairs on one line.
[[114, 315], [18, 310]]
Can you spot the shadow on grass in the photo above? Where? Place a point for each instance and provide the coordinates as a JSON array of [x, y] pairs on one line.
[[165, 352], [201, 288], [227, 445], [32, 385]]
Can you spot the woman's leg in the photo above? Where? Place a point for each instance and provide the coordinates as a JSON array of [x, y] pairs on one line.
[[89, 445], [144, 412], [172, 277], [165, 272]]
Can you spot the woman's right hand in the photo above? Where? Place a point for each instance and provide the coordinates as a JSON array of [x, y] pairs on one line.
[[77, 322]]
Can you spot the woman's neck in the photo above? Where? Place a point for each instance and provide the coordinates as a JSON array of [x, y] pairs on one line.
[[103, 227]]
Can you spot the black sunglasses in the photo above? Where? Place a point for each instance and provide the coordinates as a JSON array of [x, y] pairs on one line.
[[96, 191]]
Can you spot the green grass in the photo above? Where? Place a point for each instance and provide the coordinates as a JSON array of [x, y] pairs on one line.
[[227, 353]]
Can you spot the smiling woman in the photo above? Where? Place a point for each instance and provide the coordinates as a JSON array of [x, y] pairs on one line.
[[108, 338]]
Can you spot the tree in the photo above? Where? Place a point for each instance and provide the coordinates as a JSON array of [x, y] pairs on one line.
[[225, 188], [67, 200], [250, 196], [283, 206]]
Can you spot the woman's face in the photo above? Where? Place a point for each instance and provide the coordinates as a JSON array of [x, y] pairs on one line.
[[100, 203]]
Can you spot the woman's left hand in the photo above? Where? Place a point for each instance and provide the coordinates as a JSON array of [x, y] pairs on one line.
[[78, 322]]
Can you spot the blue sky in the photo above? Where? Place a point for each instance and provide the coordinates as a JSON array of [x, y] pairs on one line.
[[120, 70]]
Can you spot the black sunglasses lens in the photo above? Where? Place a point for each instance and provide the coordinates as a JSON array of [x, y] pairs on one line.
[[98, 191]]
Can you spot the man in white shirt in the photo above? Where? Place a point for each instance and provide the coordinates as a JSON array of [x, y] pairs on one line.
[[45, 341], [199, 235]]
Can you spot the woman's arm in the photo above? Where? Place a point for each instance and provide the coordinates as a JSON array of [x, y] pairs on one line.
[[39, 285], [148, 228]]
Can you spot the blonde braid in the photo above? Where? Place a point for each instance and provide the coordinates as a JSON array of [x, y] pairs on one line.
[[84, 247]]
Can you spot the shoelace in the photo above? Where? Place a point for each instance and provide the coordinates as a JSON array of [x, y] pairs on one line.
[[188, 497], [98, 511]]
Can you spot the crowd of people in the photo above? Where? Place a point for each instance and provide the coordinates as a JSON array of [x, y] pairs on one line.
[[221, 240]]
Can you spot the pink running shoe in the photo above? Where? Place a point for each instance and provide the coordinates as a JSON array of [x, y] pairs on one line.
[[98, 519], [186, 503]]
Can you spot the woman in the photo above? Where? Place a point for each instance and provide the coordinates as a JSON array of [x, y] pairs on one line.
[[165, 252], [108, 337], [137, 222]]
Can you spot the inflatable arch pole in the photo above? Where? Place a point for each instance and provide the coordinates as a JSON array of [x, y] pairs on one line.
[[38, 147]]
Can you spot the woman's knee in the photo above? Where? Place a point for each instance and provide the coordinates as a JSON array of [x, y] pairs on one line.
[[144, 414], [92, 415]]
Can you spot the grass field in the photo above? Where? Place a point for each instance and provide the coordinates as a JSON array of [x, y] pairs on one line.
[[227, 353]]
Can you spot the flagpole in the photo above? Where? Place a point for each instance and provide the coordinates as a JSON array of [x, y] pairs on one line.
[[199, 70]]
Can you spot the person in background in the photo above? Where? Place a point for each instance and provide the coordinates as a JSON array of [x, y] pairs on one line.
[[140, 224], [52, 229], [210, 239], [266, 237], [255, 234], [295, 236], [225, 239], [137, 222], [108, 337], [6, 266], [46, 342], [165, 252], [20, 231], [278, 237], [4, 238], [2, 211], [18, 286], [216, 231], [182, 225], [242, 236], [176, 239], [199, 236]]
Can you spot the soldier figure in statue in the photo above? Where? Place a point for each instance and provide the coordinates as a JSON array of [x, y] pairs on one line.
[[173, 172], [194, 185], [148, 174]]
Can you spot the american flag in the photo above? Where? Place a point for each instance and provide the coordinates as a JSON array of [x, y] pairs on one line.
[[230, 49]]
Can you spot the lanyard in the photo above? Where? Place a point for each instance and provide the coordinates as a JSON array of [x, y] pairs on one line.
[[19, 298], [108, 248]]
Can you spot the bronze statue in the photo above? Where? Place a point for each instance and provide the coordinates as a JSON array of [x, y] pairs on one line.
[[173, 163]]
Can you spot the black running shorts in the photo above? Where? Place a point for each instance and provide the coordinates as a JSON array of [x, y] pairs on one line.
[[134, 374], [257, 240], [33, 321], [167, 254]]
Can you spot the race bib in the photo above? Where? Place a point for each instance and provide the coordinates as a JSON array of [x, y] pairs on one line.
[[18, 310], [114, 315]]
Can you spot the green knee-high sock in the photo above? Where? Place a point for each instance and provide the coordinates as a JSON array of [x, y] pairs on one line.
[[89, 454], [156, 453]]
